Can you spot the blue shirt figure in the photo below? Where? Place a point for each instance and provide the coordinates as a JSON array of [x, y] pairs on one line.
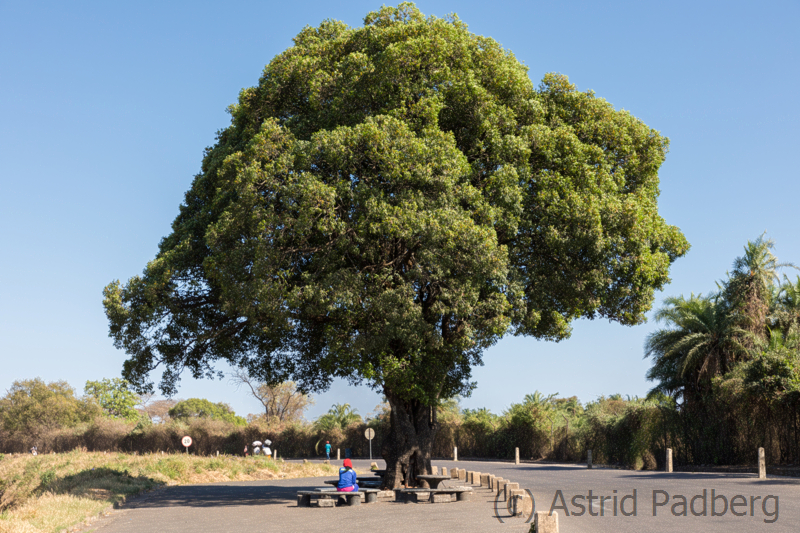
[[347, 478], [328, 450]]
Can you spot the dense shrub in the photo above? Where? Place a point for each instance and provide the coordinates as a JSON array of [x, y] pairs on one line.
[[632, 433]]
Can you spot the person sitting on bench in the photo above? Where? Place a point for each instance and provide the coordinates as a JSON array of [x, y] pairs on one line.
[[347, 478]]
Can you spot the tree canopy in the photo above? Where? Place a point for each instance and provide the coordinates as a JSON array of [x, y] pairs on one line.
[[388, 202], [202, 408], [115, 397], [31, 405]]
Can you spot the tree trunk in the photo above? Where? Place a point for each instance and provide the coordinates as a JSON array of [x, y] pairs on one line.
[[408, 445]]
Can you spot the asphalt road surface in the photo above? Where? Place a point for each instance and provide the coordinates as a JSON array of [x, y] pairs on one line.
[[760, 505], [645, 501]]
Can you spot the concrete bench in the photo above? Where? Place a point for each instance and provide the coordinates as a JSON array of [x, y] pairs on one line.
[[369, 484], [325, 495], [368, 492], [439, 495]]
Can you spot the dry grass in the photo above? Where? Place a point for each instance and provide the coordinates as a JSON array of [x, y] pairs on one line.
[[52, 492]]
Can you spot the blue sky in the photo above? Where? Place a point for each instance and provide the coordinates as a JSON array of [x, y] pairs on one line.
[[106, 107]]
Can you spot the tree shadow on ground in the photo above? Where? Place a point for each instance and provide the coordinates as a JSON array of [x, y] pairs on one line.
[[97, 483], [219, 495], [694, 476], [540, 468]]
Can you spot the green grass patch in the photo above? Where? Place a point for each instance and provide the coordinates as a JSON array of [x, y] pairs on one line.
[[49, 493]]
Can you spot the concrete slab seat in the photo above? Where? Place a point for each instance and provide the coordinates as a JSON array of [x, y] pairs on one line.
[[305, 497], [366, 483], [439, 495]]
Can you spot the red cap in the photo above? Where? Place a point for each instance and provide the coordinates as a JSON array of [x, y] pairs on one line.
[[348, 463]]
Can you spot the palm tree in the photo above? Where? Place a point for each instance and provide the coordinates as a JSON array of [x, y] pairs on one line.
[[701, 341], [785, 312], [666, 373], [789, 295], [339, 416], [573, 406], [750, 285], [539, 401]]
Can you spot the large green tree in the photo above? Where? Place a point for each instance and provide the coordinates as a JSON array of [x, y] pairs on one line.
[[115, 397], [202, 408], [388, 202], [32, 406]]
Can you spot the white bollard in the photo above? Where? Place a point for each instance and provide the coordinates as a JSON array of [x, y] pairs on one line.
[[762, 464], [516, 456], [337, 454], [455, 453], [669, 460]]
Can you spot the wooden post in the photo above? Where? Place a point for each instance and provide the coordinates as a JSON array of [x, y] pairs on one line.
[[762, 464], [455, 453], [669, 460], [589, 458], [337, 454], [516, 456]]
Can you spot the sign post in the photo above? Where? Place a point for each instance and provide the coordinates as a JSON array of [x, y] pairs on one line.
[[370, 433], [186, 441]]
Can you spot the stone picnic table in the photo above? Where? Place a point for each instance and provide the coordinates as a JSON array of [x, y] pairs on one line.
[[432, 481]]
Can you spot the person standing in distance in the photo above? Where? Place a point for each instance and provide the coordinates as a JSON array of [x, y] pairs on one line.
[[328, 449]]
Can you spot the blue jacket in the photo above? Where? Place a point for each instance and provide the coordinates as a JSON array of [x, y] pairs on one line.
[[347, 478], [327, 448]]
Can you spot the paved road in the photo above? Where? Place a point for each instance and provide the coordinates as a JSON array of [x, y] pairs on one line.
[[271, 505], [545, 480]]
